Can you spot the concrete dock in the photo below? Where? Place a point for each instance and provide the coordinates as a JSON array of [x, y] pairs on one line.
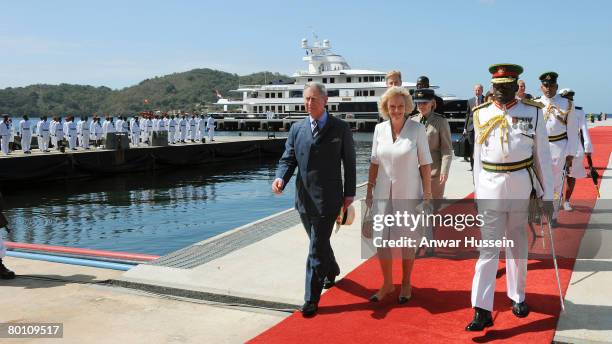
[[55, 165], [233, 286]]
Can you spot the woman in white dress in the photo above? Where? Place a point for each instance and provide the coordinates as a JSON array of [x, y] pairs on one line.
[[399, 179]]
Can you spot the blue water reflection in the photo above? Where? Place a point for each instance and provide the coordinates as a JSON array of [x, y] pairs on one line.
[[154, 212]]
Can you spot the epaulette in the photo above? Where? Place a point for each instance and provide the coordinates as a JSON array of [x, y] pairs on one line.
[[532, 103], [476, 108], [578, 107]]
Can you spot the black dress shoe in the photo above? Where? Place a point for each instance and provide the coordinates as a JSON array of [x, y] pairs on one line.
[[329, 282], [482, 319], [5, 273], [520, 309], [309, 309]]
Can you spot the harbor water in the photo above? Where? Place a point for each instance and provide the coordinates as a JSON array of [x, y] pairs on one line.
[[154, 212]]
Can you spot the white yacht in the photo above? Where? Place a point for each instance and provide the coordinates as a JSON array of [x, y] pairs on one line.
[[353, 95]]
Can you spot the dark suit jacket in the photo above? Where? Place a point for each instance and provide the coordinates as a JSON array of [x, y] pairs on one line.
[[469, 119], [319, 189]]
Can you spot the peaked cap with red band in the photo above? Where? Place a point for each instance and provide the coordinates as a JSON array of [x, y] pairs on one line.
[[505, 72]]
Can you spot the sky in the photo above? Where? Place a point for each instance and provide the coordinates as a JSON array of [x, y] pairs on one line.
[[120, 43]]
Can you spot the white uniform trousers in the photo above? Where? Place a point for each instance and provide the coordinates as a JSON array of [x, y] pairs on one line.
[[26, 140], [135, 139], [72, 141], [84, 139], [192, 133], [4, 144], [172, 136], [211, 133], [183, 133], [497, 224], [577, 170], [43, 141], [558, 154]]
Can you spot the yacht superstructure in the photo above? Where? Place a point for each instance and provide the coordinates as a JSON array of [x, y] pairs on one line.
[[353, 93]]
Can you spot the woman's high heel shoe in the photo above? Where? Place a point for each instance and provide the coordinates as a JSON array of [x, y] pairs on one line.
[[375, 298], [404, 298]]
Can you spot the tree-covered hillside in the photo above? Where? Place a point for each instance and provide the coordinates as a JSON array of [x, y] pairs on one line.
[[185, 91]]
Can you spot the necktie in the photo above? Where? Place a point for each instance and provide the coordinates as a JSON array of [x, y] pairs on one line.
[[315, 130], [424, 120]]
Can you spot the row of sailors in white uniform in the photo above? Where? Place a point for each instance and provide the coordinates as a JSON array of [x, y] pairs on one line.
[[140, 131], [179, 129]]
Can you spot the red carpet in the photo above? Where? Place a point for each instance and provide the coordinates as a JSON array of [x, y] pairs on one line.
[[440, 305]]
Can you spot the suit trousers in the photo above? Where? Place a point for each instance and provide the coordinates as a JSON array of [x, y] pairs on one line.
[[321, 261], [497, 224]]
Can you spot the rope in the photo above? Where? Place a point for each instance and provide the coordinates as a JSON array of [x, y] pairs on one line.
[[564, 114], [484, 130]]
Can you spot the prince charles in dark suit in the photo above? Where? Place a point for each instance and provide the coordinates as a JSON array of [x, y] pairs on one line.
[[316, 146]]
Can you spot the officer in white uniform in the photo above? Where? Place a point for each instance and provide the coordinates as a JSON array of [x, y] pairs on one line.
[[96, 130], [12, 134], [70, 128], [108, 127], [154, 122], [83, 132], [42, 132], [52, 125], [135, 131], [192, 128], [143, 128], [119, 125], [182, 128], [172, 124], [25, 130], [210, 125], [584, 147], [147, 128], [166, 120], [5, 133], [511, 159], [562, 128], [161, 125], [58, 132], [201, 128]]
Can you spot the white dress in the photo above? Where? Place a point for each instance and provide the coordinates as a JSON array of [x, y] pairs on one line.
[[398, 162], [398, 183]]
